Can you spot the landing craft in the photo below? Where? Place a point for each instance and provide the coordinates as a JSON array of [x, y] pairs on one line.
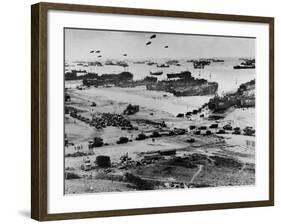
[[156, 73], [153, 36], [148, 43]]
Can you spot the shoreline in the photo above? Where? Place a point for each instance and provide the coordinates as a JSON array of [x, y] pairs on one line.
[[115, 99]]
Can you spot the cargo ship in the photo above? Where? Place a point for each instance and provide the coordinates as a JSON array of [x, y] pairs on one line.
[[184, 84], [246, 64]]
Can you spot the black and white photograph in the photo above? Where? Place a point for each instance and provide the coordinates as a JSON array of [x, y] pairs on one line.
[[157, 111]]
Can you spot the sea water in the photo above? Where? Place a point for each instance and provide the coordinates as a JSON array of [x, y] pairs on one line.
[[228, 80], [223, 73]]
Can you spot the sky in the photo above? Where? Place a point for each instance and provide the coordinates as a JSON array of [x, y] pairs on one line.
[[113, 44]]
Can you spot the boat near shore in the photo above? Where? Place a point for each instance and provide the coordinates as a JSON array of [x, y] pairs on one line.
[[246, 64], [244, 67], [184, 84], [157, 73], [163, 66]]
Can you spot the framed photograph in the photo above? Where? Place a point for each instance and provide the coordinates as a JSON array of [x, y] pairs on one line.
[[140, 111]]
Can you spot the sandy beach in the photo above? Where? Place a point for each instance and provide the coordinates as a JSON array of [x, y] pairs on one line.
[[156, 106]]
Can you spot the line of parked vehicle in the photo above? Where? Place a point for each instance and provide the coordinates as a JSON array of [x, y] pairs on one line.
[[226, 129], [117, 120], [104, 120]]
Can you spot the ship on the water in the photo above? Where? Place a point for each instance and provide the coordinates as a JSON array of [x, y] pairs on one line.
[[184, 84], [244, 97], [95, 63], [200, 64], [217, 60], [157, 73], [246, 64], [163, 66], [244, 67], [151, 63]]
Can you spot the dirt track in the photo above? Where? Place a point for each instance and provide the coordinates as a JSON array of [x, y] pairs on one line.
[[229, 146]]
